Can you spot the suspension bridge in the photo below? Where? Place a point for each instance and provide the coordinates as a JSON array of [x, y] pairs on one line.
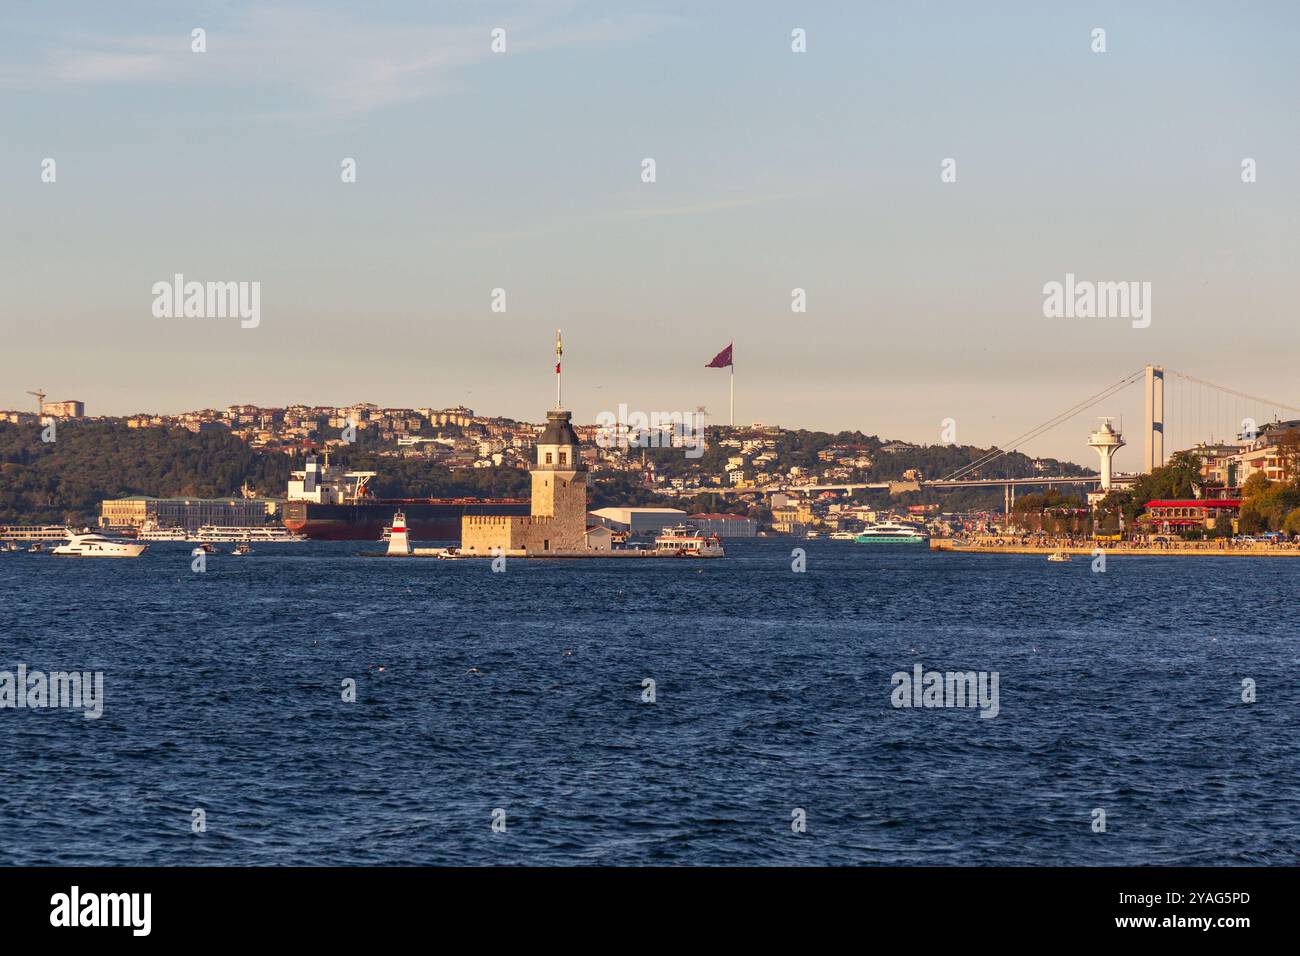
[[1204, 414]]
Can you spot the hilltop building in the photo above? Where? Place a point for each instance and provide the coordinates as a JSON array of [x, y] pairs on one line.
[[69, 409]]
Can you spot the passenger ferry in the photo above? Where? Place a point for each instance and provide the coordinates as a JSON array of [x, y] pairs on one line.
[[98, 546], [33, 532], [150, 531], [269, 533], [889, 532], [683, 542]]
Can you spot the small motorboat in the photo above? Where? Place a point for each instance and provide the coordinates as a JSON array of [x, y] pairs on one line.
[[37, 548], [241, 550], [1058, 556], [204, 548]]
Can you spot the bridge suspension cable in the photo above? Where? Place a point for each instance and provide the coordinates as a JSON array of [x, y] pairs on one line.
[[992, 456], [1232, 391]]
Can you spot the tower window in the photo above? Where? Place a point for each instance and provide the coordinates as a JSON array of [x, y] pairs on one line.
[[564, 458], [548, 457]]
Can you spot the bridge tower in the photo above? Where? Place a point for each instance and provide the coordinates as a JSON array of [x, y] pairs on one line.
[[1106, 441], [1153, 390]]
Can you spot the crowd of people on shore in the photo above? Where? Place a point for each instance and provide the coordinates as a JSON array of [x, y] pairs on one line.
[[1142, 542]]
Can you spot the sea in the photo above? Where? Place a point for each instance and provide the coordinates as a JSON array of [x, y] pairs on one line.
[[305, 705]]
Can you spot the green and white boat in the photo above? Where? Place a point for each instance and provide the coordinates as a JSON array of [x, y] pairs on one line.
[[888, 532]]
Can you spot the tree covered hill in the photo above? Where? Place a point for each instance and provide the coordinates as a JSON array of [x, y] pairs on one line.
[[65, 480]]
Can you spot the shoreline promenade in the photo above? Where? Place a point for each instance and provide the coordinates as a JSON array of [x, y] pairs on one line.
[[1013, 544]]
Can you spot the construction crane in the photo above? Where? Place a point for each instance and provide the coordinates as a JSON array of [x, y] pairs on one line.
[[40, 397]]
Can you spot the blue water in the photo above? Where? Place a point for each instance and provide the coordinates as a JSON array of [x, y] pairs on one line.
[[1120, 691]]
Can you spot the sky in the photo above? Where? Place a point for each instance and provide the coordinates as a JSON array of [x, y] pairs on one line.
[[774, 170]]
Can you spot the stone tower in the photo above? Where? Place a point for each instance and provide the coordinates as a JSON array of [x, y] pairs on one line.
[[560, 482]]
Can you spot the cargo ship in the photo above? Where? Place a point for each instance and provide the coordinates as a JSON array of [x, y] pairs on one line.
[[326, 504]]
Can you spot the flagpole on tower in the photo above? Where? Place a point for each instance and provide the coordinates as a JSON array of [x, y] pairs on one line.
[[559, 351], [733, 394]]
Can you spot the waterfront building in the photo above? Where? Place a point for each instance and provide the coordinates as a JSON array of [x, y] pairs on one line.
[[1164, 516], [188, 513], [599, 538], [785, 520], [639, 520], [724, 526]]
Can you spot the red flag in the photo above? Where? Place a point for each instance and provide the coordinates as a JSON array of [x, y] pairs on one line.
[[722, 359]]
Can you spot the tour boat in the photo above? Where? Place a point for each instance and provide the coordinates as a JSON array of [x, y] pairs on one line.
[[242, 549], [843, 536], [268, 533], [683, 542], [888, 532], [1058, 556], [98, 546], [150, 531]]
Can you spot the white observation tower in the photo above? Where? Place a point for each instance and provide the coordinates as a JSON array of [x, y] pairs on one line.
[[1107, 441]]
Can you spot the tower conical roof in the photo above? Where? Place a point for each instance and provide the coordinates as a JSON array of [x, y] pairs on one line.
[[559, 430]]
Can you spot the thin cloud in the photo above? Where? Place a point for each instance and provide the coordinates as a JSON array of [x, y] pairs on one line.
[[314, 65]]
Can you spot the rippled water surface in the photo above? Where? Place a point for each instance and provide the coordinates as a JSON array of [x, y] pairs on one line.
[[1120, 691]]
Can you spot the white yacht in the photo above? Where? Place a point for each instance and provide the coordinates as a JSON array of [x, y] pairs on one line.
[[98, 546], [889, 532]]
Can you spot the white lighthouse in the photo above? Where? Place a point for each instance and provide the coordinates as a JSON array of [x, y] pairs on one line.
[[1107, 441]]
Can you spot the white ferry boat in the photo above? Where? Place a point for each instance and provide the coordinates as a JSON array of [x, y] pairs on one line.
[[684, 542], [842, 536], [150, 531], [268, 533], [889, 532], [33, 532], [98, 546]]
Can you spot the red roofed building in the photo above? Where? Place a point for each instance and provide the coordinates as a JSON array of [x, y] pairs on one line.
[[1166, 514]]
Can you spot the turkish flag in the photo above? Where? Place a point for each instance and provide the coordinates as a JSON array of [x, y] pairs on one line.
[[722, 359]]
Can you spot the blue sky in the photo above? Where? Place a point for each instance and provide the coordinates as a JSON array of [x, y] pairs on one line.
[[775, 170]]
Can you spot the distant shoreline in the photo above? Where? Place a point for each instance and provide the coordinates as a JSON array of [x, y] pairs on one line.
[[1180, 549]]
